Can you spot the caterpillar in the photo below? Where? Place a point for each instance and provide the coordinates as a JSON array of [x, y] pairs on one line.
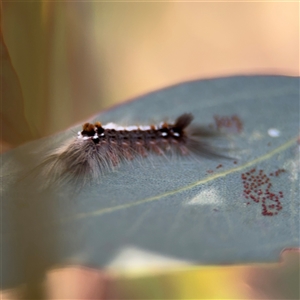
[[101, 148]]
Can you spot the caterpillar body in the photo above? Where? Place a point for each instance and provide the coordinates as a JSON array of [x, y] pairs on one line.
[[101, 148]]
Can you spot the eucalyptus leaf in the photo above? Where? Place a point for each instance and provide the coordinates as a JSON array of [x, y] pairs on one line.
[[183, 210]]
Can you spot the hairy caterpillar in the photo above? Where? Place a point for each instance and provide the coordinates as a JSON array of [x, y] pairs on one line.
[[100, 148]]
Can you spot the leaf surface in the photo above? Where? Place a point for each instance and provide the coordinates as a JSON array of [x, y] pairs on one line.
[[185, 210]]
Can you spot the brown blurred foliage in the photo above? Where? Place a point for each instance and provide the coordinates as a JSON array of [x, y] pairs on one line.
[[74, 59]]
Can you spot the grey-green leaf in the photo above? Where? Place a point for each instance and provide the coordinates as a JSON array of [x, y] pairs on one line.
[[194, 211]]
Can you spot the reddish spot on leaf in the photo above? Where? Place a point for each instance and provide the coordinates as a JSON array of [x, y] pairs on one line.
[[230, 123], [268, 199]]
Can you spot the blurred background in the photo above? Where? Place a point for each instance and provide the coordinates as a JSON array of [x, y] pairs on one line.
[[63, 62], [74, 59]]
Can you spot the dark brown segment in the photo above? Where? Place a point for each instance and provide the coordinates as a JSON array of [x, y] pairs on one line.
[[183, 121], [88, 129]]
